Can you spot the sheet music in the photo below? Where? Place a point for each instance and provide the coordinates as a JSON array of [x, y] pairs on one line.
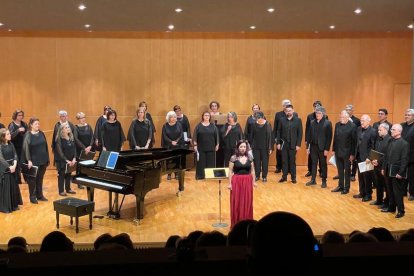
[[365, 167], [185, 136], [332, 160]]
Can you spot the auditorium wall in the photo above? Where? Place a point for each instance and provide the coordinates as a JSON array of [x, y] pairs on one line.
[[43, 74]]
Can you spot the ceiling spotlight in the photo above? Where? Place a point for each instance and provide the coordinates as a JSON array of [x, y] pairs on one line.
[[178, 10], [332, 27], [1, 24], [411, 26], [87, 25], [270, 10], [82, 7], [316, 32], [252, 27], [171, 27], [9, 30], [358, 11]]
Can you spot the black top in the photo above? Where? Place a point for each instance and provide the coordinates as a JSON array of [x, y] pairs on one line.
[[2, 126], [290, 131], [365, 142], [321, 133], [397, 154], [55, 131], [309, 119], [278, 116], [206, 137], [344, 139], [149, 118], [251, 120], [185, 125], [240, 168], [233, 136], [172, 133], [262, 136], [381, 145], [112, 136], [355, 120], [65, 149], [83, 137], [17, 136], [139, 132], [408, 135], [8, 153], [98, 127], [35, 149]]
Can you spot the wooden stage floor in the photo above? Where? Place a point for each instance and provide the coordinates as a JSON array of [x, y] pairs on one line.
[[198, 208]]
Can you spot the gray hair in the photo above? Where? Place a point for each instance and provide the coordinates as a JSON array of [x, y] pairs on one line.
[[321, 109], [345, 113], [349, 106], [170, 114], [385, 125], [367, 117], [63, 113], [397, 127], [232, 114], [410, 110], [80, 115], [285, 102]]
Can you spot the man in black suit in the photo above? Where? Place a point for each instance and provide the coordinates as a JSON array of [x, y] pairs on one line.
[[357, 122], [365, 141], [381, 144], [395, 168], [382, 116], [279, 115], [344, 150], [309, 119], [289, 139], [408, 135], [319, 140]]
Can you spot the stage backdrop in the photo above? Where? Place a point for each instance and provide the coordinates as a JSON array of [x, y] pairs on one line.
[[43, 74]]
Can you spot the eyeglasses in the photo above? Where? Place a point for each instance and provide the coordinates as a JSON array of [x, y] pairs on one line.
[[393, 129], [381, 113], [81, 118]]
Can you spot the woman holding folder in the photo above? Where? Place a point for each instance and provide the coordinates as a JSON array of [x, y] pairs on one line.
[[35, 153], [65, 158], [83, 135]]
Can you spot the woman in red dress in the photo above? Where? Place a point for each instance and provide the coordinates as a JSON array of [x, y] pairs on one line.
[[241, 183]]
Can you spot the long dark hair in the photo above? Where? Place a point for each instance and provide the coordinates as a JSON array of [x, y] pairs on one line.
[[237, 153]]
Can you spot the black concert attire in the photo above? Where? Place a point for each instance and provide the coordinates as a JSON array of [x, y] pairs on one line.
[[35, 149], [220, 153], [230, 140], [83, 137], [65, 150], [55, 131], [364, 143], [344, 146], [206, 138], [309, 119], [397, 155], [377, 124], [251, 120], [97, 134], [172, 133], [10, 196], [149, 118], [278, 116], [112, 136], [408, 135], [289, 136], [17, 140], [139, 133], [261, 145], [381, 145], [2, 126], [354, 164], [319, 139], [185, 125]]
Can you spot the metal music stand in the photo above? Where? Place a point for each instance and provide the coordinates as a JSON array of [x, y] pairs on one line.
[[218, 174]]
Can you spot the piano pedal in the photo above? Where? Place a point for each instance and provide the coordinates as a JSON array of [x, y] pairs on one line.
[[136, 221], [113, 215], [179, 193]]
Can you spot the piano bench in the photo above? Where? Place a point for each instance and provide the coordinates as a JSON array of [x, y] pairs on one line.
[[74, 207]]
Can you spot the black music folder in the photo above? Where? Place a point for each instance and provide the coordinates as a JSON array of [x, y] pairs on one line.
[[29, 172], [70, 169], [86, 156], [375, 155], [394, 170]]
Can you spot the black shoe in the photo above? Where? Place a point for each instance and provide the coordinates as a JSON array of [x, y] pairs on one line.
[[294, 181], [344, 192], [336, 177], [257, 178], [71, 192], [399, 215], [367, 198], [357, 196], [308, 174], [375, 202], [264, 179], [411, 197], [337, 189], [278, 170], [384, 206], [62, 194], [323, 184], [282, 180], [81, 187], [42, 199], [388, 210], [352, 178], [34, 201], [310, 183]]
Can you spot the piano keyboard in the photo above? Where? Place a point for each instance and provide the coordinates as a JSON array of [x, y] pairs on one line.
[[101, 183]]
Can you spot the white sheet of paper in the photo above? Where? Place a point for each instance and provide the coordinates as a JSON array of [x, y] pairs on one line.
[[332, 160], [185, 136], [364, 167]]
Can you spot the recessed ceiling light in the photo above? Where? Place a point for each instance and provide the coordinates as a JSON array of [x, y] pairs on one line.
[[82, 7], [270, 10], [9, 30], [252, 27], [357, 11], [1, 24], [171, 27], [87, 25], [411, 26], [316, 31], [332, 27], [178, 10]]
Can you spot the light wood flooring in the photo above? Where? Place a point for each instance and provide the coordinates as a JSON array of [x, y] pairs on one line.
[[198, 208]]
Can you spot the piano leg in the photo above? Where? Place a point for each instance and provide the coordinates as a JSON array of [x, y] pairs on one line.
[[90, 193], [181, 175], [113, 208], [140, 206]]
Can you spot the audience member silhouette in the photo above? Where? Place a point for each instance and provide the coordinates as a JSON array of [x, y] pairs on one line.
[[332, 237], [56, 241], [240, 233], [101, 240], [358, 236], [172, 241], [213, 238], [382, 234], [406, 237]]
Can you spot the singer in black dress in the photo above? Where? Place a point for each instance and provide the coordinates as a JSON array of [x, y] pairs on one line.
[[149, 118], [18, 129], [112, 134], [140, 131], [231, 133]]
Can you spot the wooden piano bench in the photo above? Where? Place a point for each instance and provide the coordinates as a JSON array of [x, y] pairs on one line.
[[74, 207]]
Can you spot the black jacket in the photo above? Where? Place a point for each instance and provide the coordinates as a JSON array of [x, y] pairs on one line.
[[324, 134], [344, 139]]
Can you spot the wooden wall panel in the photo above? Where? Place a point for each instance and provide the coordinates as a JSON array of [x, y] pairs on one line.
[[44, 74]]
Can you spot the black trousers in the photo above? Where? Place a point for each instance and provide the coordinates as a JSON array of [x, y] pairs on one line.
[[36, 183], [279, 161], [261, 162], [365, 182], [64, 180], [289, 161], [227, 155], [380, 183], [354, 167], [410, 179], [398, 188], [206, 159], [344, 172], [317, 156]]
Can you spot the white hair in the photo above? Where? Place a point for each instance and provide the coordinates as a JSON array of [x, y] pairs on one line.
[[410, 110], [345, 113], [285, 102], [170, 114], [385, 125]]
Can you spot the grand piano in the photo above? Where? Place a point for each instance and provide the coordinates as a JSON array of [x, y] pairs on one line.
[[134, 172]]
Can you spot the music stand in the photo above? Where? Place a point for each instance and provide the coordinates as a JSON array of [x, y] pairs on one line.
[[219, 174], [220, 119]]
